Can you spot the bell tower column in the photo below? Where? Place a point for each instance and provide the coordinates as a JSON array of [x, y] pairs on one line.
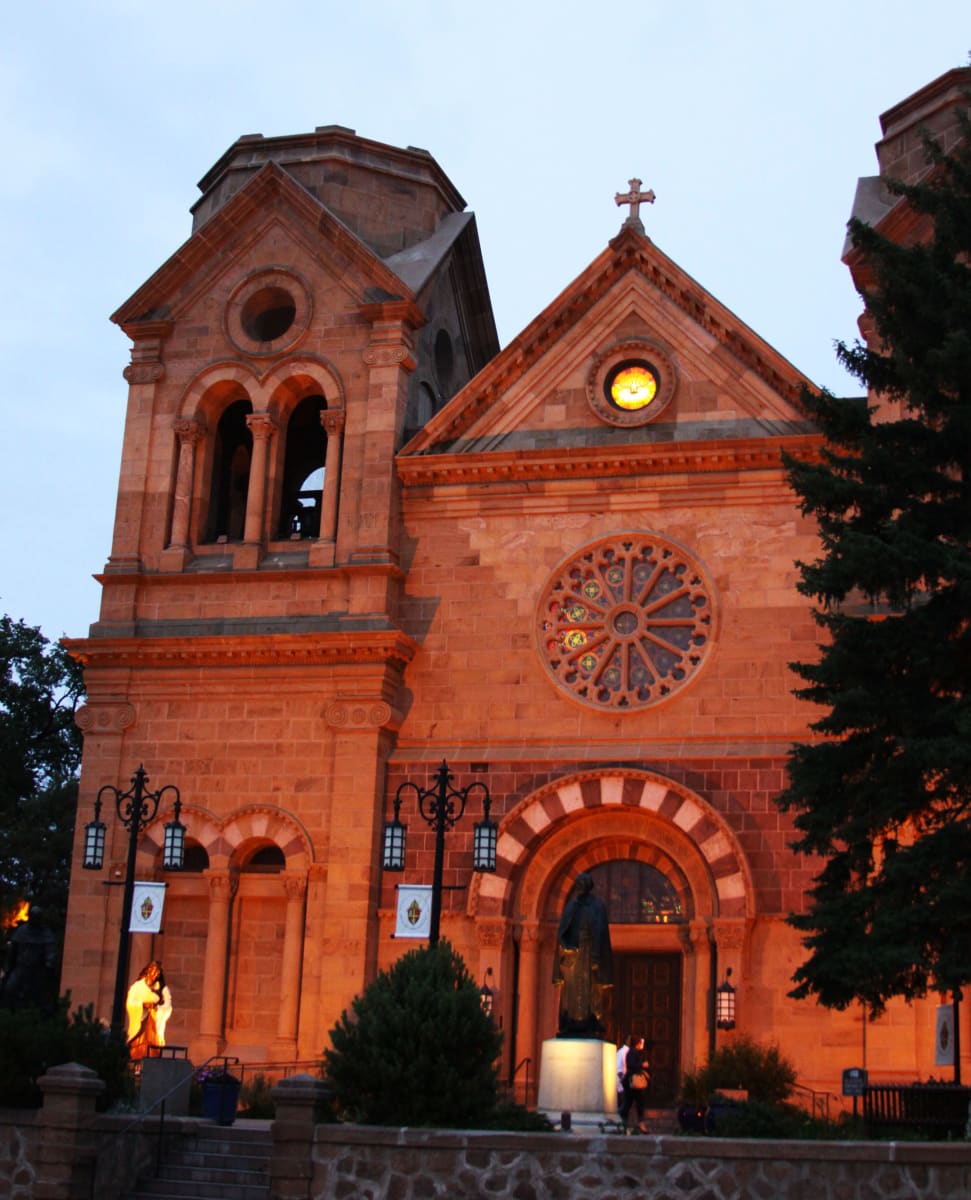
[[175, 554], [323, 551], [262, 426]]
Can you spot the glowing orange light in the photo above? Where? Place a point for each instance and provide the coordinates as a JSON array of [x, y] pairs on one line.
[[16, 915], [634, 387]]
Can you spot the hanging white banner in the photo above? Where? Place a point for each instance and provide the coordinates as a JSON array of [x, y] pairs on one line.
[[414, 911], [944, 1042], [148, 900]]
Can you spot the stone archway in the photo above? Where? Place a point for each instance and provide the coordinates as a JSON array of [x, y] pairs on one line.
[[576, 822]]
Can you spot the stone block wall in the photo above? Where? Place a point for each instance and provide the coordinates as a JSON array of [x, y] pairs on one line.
[[375, 1164]]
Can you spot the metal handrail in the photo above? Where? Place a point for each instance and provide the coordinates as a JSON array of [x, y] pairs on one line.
[[159, 1104]]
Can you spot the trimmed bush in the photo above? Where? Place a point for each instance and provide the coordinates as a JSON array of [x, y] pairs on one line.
[[416, 1048], [743, 1063]]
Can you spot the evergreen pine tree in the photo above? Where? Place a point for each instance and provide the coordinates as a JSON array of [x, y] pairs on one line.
[[885, 795]]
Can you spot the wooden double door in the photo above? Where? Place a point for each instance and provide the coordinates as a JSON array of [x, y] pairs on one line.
[[646, 1000]]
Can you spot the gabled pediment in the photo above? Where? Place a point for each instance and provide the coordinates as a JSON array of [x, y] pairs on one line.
[[271, 198], [543, 398]]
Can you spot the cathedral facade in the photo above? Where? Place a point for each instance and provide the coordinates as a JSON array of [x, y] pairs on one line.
[[355, 539]]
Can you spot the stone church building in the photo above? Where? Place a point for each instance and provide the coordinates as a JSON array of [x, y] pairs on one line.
[[355, 539]]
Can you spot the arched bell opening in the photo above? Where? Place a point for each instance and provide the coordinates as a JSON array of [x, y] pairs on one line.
[[302, 491], [232, 457]]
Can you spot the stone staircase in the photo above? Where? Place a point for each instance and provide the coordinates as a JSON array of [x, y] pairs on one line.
[[214, 1162]]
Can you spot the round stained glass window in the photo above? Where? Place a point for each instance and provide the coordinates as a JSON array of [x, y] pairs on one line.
[[626, 622]]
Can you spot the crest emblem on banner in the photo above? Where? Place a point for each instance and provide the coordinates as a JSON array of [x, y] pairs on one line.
[[148, 900], [414, 912]]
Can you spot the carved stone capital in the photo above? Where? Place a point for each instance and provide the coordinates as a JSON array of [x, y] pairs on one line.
[[351, 714], [295, 887], [105, 716], [187, 430], [332, 419], [136, 373], [491, 934], [220, 885], [261, 425], [389, 356], [729, 935]]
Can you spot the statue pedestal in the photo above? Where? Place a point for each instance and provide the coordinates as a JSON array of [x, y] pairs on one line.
[[579, 1076]]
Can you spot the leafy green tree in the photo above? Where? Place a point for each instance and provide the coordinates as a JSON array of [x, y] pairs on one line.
[[885, 795], [40, 756], [417, 1048]]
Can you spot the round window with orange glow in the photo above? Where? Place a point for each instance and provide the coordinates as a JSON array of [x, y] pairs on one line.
[[631, 385]]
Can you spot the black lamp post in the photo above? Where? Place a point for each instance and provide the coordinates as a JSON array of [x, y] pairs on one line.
[[442, 806], [136, 809]]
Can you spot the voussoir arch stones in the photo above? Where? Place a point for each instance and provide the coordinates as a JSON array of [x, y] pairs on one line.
[[642, 805]]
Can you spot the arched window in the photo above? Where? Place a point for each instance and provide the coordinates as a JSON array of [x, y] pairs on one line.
[[636, 893], [196, 858], [267, 860], [303, 470], [233, 453]]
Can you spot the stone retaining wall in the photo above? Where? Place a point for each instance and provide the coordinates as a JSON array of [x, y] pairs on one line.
[[366, 1163], [18, 1146]]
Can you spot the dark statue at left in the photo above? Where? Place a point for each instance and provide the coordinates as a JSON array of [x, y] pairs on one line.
[[29, 965], [583, 968]]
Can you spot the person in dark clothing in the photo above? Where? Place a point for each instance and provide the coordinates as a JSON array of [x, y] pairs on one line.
[[637, 1078]]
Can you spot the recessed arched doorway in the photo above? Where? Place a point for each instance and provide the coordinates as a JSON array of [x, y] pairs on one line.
[[683, 887], [645, 999]]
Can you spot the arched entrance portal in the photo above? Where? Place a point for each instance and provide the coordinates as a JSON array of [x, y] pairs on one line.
[[684, 899]]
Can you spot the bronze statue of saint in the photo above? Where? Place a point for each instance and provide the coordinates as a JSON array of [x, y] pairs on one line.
[[583, 967]]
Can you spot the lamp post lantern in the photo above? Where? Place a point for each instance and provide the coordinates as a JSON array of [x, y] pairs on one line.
[[442, 806], [136, 810]]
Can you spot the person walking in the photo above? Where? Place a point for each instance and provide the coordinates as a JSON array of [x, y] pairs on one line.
[[638, 1077]]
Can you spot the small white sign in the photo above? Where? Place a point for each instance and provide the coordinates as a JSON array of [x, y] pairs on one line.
[[148, 900], [414, 911], [944, 1041]]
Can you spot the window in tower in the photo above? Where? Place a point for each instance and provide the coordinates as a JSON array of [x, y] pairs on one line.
[[303, 471], [232, 455]]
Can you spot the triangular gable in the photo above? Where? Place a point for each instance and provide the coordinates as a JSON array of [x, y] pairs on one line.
[[632, 288], [187, 273]]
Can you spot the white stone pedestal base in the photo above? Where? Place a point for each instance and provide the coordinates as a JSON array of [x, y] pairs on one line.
[[578, 1076]]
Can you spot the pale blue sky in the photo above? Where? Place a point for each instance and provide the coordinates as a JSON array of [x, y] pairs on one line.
[[751, 122]]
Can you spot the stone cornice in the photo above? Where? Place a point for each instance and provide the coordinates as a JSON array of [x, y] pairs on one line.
[[391, 648], [648, 460]]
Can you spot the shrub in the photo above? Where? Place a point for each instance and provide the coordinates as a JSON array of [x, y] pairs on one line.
[[417, 1049], [32, 1041], [743, 1063], [255, 1099]]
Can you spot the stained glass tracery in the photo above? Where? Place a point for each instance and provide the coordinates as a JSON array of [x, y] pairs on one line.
[[627, 622]]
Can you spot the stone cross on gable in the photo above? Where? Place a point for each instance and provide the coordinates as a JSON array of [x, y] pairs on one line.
[[635, 198]]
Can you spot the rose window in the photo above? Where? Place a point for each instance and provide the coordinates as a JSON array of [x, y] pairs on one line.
[[626, 622]]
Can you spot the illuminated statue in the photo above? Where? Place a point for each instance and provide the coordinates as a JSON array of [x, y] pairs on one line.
[[583, 968], [149, 1006]]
